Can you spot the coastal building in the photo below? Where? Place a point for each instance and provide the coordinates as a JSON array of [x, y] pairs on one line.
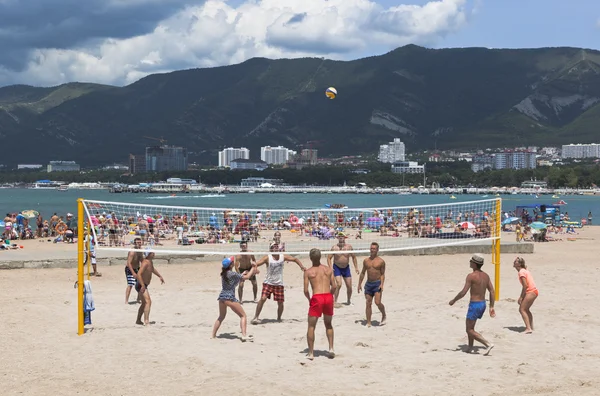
[[29, 166], [482, 162], [515, 160], [276, 155], [166, 158], [63, 166], [392, 152], [581, 150], [407, 167], [242, 163], [137, 163], [260, 182], [229, 154]]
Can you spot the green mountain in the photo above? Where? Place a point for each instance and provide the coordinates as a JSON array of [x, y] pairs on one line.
[[447, 98]]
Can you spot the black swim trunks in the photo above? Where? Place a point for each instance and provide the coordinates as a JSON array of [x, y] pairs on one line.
[[138, 286], [242, 270]]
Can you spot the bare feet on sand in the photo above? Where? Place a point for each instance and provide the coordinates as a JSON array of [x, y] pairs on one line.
[[310, 356], [331, 354], [488, 350], [255, 321], [383, 321]]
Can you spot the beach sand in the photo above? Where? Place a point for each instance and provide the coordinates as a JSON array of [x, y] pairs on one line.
[[419, 352]]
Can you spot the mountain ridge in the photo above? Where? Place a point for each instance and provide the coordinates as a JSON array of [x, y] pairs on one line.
[[443, 98]]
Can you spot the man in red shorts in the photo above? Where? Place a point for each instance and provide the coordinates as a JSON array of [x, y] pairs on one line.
[[273, 283], [323, 286]]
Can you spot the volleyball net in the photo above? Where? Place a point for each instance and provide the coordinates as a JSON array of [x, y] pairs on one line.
[[112, 227], [188, 230]]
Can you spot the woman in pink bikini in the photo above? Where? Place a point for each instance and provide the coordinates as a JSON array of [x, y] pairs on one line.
[[529, 293]]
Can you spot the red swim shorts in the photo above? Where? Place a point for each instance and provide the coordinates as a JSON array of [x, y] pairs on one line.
[[321, 304]]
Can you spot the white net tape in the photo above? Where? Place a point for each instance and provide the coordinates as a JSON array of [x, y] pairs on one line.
[[182, 230]]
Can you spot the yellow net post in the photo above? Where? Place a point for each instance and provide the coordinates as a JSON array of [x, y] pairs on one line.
[[80, 266], [496, 247]]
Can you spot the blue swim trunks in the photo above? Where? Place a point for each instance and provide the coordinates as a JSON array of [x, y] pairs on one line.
[[476, 310], [372, 287], [343, 272]]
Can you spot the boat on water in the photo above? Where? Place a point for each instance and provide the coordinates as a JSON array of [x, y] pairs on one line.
[[336, 206], [63, 187], [452, 197], [555, 197], [46, 184]]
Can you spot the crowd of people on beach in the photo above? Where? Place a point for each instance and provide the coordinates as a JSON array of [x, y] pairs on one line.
[[186, 229]]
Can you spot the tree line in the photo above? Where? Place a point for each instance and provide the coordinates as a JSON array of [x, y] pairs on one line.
[[446, 174]]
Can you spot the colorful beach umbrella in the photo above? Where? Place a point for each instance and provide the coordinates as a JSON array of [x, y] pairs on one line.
[[30, 214], [538, 225], [511, 220], [467, 225]]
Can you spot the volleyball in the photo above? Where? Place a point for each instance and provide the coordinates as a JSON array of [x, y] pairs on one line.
[[331, 93]]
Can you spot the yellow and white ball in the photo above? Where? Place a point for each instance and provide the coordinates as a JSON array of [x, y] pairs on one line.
[[331, 93]]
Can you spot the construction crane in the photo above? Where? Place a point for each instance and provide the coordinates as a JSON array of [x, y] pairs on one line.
[[161, 140], [310, 144]]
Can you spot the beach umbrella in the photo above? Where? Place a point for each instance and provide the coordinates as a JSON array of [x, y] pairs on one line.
[[511, 220], [467, 225], [538, 225], [30, 214]]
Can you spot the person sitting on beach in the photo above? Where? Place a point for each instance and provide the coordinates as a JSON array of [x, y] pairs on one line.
[[529, 293], [144, 277], [374, 268], [273, 283], [321, 280], [229, 280], [477, 283]]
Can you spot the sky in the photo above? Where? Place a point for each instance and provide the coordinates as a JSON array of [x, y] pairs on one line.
[[117, 42]]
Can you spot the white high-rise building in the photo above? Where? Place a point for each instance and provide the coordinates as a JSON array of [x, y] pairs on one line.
[[276, 155], [392, 152], [229, 154], [581, 150]]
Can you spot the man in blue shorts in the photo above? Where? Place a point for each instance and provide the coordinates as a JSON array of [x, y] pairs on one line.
[[341, 265], [374, 269], [477, 283]]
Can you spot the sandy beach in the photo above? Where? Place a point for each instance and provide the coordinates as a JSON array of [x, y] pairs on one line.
[[419, 352]]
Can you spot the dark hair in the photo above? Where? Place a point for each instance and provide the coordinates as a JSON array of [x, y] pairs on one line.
[[375, 244], [224, 272]]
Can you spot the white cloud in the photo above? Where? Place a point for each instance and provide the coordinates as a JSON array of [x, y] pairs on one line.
[[216, 33]]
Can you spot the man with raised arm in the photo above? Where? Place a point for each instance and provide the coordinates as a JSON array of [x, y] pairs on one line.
[[323, 286], [477, 283], [273, 283], [341, 266], [131, 268], [141, 286], [244, 262], [374, 267]]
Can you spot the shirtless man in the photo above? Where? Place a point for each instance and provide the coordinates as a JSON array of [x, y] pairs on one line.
[[477, 283], [323, 286], [131, 268], [374, 267], [244, 262], [144, 276], [273, 283], [341, 266]]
